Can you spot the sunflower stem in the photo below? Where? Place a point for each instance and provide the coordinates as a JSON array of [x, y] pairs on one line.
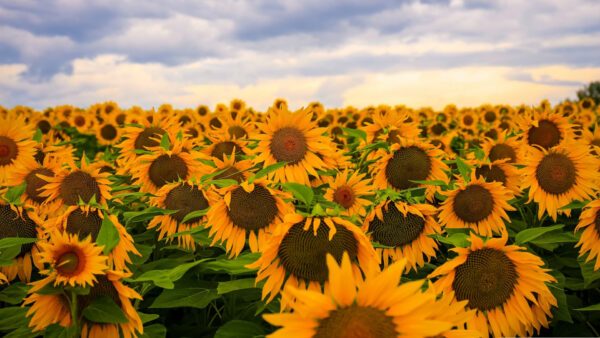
[[592, 328], [74, 314]]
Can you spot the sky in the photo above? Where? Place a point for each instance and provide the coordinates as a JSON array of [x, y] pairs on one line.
[[353, 52]]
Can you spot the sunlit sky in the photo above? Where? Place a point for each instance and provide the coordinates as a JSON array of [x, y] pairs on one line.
[[186, 53]]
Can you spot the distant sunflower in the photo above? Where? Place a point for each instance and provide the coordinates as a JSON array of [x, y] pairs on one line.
[[296, 252], [405, 228], [503, 147], [557, 176], [86, 222], [81, 120], [16, 146], [155, 170], [224, 144], [248, 210], [505, 284], [478, 205], [72, 184], [589, 241], [237, 106], [545, 129], [468, 119], [144, 136], [238, 127], [378, 306], [185, 197], [407, 161], [489, 115], [16, 221], [586, 104], [280, 104], [295, 139], [592, 138], [72, 261], [348, 191], [500, 171], [34, 184], [108, 132], [389, 127]]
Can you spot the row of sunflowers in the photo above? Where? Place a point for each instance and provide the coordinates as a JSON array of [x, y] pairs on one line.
[[374, 222]]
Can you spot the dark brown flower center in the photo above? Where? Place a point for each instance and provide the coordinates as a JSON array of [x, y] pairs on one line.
[[215, 123], [586, 104], [68, 264], [79, 121], [44, 126], [149, 137], [491, 174], [11, 225], [438, 129], [356, 321], [84, 224], [489, 116], [166, 169], [344, 196], [487, 279], [8, 150], [408, 164], [468, 120], [396, 229], [237, 132], [546, 134], [492, 133], [394, 136], [226, 148], [556, 173], [78, 185], [303, 254], [186, 199], [501, 151], [34, 184], [473, 204], [108, 132], [120, 119], [288, 145], [254, 210]]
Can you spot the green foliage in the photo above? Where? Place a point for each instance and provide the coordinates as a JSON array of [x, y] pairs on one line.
[[591, 90]]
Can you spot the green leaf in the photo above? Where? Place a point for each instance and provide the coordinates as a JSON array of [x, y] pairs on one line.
[[14, 293], [37, 137], [530, 234], [108, 235], [14, 241], [234, 285], [232, 266], [222, 183], [194, 214], [239, 329], [561, 312], [587, 271], [146, 214], [464, 169], [13, 194], [269, 169], [147, 317], [165, 278], [301, 192], [459, 239], [164, 142], [49, 289], [104, 310], [13, 318], [185, 297], [155, 331], [432, 182], [555, 237], [575, 205], [595, 307], [357, 133]]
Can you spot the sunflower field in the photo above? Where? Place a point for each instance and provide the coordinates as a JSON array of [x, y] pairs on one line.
[[375, 222]]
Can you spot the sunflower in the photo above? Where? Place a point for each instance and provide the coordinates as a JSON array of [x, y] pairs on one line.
[[377, 306], [405, 229], [248, 210], [394, 123], [16, 146], [499, 171], [295, 139], [108, 132], [468, 119], [545, 129], [185, 197], [72, 262], [592, 138], [589, 241], [489, 114], [87, 221], [504, 284], [586, 104], [16, 221], [478, 205], [349, 191], [71, 184], [280, 104], [295, 253], [146, 135], [231, 169], [222, 144], [557, 176], [237, 106], [155, 170], [81, 120], [407, 161], [503, 147], [202, 110], [49, 309]]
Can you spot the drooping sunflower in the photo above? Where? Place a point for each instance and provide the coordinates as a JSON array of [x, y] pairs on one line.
[[545, 129], [16, 146], [49, 309], [71, 261], [155, 170], [185, 197], [589, 221], [500, 171], [505, 284], [559, 175], [248, 210], [349, 191], [295, 139], [296, 252], [409, 160], [223, 144], [86, 222], [377, 306], [16, 221], [478, 205], [231, 169], [592, 138], [405, 228], [71, 184], [502, 148]]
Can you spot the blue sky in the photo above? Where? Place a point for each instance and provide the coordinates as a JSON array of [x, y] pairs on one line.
[[419, 53]]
